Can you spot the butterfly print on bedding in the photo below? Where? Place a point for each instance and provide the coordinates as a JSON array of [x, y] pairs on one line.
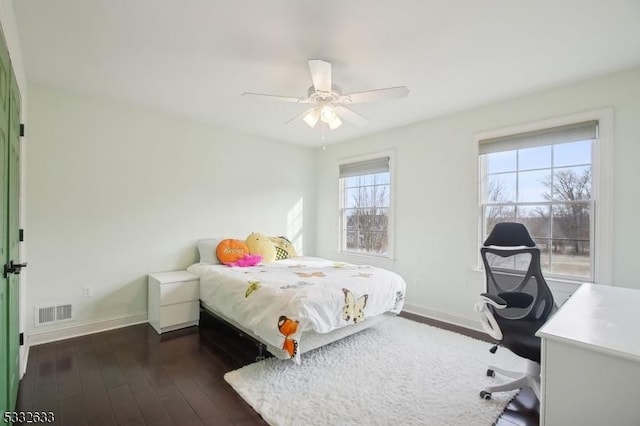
[[312, 274], [353, 308], [398, 301], [287, 327], [362, 275], [299, 284], [253, 286]]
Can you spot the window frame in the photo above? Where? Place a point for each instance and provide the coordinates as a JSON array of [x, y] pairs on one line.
[[550, 204], [390, 217], [601, 226]]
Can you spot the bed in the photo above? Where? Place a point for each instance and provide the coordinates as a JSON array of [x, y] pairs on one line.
[[298, 304]]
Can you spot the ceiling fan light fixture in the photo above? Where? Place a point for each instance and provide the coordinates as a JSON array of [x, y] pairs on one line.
[[311, 118], [327, 114], [335, 123]]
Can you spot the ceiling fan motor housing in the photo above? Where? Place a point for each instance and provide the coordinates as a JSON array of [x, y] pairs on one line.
[[320, 96]]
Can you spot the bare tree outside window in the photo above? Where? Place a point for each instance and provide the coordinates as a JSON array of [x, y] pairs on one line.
[[570, 193], [497, 211], [365, 215], [570, 219], [556, 207]]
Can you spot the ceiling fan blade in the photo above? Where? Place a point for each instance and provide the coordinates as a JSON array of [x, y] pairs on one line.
[[374, 95], [320, 74], [350, 116], [276, 97]]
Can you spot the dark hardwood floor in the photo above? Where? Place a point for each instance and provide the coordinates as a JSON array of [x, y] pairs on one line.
[[133, 376]]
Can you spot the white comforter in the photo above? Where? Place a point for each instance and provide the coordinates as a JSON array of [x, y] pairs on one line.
[[280, 300]]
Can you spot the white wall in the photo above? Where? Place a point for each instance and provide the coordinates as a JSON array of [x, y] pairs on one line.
[[436, 181], [117, 192]]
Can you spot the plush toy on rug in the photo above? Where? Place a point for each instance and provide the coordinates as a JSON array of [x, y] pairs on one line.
[[262, 245], [247, 260]]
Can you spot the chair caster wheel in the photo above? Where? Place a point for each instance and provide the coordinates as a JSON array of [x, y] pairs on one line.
[[491, 373], [485, 395]]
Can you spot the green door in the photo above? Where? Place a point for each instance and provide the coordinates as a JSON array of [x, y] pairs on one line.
[[5, 73], [9, 232], [14, 239]]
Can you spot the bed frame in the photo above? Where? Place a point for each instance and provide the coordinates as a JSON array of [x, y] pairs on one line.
[[261, 348], [308, 341]]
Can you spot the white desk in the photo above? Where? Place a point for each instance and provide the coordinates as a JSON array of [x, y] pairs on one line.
[[590, 365]]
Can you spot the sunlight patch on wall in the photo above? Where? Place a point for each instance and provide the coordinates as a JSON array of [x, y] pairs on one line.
[[294, 226]]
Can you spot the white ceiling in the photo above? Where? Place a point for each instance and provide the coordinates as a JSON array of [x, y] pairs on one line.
[[194, 58]]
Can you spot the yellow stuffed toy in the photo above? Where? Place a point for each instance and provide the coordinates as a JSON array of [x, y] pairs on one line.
[[284, 248], [262, 245]]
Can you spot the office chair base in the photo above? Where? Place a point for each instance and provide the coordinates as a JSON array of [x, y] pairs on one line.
[[529, 378]]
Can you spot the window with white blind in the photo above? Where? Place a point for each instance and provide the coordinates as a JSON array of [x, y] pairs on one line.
[[545, 179], [365, 207]]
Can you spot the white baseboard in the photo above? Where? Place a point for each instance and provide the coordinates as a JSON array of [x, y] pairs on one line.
[[442, 316], [24, 356], [83, 328]]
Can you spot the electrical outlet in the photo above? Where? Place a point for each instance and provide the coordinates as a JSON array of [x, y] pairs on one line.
[[88, 290]]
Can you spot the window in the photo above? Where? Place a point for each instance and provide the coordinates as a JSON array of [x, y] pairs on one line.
[[365, 204], [545, 179]]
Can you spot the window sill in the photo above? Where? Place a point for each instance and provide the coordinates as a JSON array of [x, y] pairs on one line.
[[385, 261], [551, 279], [367, 255]]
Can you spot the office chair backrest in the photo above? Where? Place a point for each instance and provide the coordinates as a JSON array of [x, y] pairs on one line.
[[512, 266]]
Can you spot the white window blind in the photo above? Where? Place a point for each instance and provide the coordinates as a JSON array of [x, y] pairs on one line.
[[378, 165], [587, 130]]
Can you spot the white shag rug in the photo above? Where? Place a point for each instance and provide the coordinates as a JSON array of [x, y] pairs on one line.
[[399, 372]]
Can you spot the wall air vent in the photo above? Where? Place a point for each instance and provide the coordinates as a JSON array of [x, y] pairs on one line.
[[52, 314]]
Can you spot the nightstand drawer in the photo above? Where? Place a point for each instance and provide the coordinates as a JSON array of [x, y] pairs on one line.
[[179, 313], [173, 300], [179, 292]]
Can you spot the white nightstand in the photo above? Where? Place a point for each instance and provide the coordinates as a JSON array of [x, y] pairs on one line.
[[173, 300]]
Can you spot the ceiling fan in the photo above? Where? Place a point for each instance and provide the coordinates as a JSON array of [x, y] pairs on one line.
[[329, 104]]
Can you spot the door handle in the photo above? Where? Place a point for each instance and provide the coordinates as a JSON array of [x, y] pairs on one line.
[[13, 268]]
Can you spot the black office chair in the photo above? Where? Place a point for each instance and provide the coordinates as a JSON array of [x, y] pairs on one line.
[[517, 302]]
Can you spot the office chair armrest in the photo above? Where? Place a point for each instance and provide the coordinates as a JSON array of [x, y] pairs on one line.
[[516, 299], [487, 320], [493, 300]]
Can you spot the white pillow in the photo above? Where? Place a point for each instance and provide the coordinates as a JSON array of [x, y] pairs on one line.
[[207, 248]]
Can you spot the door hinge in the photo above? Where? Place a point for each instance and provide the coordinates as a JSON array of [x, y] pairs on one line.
[[21, 130], [21, 339], [21, 235]]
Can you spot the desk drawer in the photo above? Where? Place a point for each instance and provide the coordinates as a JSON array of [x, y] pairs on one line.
[[179, 292]]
